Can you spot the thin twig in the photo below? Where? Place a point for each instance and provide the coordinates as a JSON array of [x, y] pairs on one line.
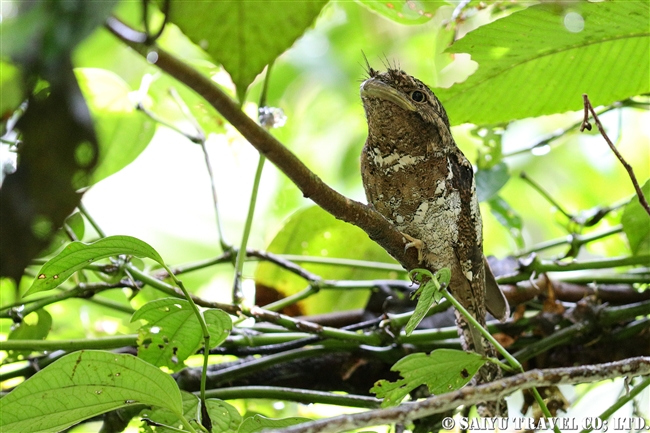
[[225, 246], [639, 366], [586, 125]]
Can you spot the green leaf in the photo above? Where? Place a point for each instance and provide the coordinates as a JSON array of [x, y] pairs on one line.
[[247, 37], [538, 61], [27, 329], [173, 332], [82, 385], [403, 11], [429, 294], [78, 254], [74, 222], [258, 423], [11, 89], [443, 370], [166, 417], [491, 153], [219, 325], [508, 218], [225, 417], [314, 232], [490, 181], [122, 131], [636, 223]]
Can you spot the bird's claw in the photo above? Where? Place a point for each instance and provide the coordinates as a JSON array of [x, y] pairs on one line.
[[414, 243]]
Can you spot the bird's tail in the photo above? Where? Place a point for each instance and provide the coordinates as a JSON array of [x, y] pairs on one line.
[[473, 341]]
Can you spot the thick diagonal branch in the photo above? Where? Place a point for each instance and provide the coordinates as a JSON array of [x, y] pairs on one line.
[[341, 207]]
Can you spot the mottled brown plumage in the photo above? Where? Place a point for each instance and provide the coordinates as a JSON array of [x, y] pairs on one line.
[[415, 175]]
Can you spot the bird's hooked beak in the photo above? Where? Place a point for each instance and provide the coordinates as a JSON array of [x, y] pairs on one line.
[[373, 88]]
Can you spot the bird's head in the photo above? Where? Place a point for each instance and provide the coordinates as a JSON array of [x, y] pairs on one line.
[[400, 105]]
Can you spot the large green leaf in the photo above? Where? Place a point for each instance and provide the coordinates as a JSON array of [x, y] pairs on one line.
[[636, 224], [78, 254], [540, 61], [173, 331], [82, 385], [442, 370], [404, 11], [245, 36], [314, 232], [122, 131]]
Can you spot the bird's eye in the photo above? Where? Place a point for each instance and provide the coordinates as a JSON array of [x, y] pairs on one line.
[[418, 96]]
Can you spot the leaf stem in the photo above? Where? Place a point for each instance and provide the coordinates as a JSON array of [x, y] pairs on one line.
[[237, 294], [185, 422], [204, 329]]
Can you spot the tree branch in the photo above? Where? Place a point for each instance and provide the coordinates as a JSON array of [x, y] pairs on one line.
[[471, 395], [312, 187]]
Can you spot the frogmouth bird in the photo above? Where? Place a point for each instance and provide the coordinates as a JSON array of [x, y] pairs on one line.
[[415, 176]]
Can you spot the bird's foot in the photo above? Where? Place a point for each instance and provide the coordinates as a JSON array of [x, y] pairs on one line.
[[414, 243]]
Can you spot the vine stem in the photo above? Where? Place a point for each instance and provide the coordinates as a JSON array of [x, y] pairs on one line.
[[237, 293]]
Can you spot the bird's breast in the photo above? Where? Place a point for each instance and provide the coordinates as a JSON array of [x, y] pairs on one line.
[[414, 190]]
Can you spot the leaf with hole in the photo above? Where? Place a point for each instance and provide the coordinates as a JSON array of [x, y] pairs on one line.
[[78, 255], [173, 332], [443, 370], [82, 385]]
